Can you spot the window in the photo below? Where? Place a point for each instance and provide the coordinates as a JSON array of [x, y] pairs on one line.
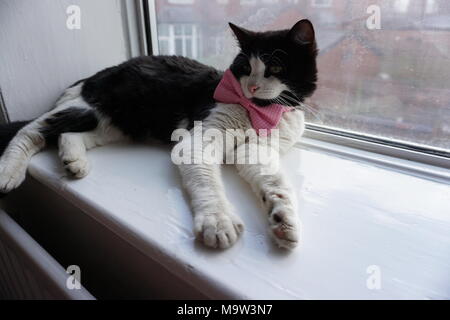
[[392, 83], [401, 5], [178, 39], [181, 1], [431, 6], [322, 3], [248, 2]]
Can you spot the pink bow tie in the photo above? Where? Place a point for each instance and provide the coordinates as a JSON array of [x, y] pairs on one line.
[[229, 91]]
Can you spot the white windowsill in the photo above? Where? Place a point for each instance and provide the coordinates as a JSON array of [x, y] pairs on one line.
[[354, 215]]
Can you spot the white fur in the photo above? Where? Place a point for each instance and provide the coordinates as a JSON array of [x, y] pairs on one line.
[[269, 88], [215, 222], [183, 124], [73, 146], [275, 194]]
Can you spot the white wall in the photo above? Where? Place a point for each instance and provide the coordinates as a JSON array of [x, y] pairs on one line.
[[40, 56]]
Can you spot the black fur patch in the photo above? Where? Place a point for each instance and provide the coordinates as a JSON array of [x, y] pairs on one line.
[[69, 120], [149, 96], [294, 51]]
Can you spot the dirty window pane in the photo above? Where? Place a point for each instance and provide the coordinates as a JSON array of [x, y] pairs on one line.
[[390, 79]]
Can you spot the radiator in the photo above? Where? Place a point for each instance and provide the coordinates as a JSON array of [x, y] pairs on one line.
[[27, 271]]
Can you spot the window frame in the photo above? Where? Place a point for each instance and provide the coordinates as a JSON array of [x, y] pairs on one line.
[[389, 147], [328, 138], [172, 38], [4, 116], [181, 2]]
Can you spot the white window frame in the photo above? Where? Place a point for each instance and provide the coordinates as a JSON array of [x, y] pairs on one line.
[[418, 159], [172, 38]]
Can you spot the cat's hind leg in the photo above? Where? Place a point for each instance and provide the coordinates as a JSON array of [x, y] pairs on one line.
[[73, 146], [70, 114], [72, 152]]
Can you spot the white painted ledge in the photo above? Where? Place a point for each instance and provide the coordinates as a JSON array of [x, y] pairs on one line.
[[354, 216]]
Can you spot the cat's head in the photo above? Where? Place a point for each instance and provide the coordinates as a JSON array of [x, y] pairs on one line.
[[276, 66]]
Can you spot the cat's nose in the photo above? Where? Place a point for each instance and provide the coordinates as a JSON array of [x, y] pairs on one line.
[[253, 89]]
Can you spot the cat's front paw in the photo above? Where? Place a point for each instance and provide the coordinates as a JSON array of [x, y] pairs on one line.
[[11, 177], [218, 230], [284, 230], [284, 226]]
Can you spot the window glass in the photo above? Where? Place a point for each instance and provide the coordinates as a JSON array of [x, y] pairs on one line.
[[189, 48], [164, 46], [178, 28], [384, 65], [179, 47], [163, 30]]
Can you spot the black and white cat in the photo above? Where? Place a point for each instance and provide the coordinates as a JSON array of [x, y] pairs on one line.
[[153, 96]]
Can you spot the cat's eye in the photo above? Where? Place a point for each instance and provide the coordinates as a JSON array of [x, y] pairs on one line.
[[247, 68], [276, 69]]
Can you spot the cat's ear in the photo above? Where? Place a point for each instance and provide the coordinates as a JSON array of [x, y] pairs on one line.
[[242, 35], [302, 33]]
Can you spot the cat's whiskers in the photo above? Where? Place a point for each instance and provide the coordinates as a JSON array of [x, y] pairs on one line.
[[263, 55], [281, 100], [315, 113], [294, 96], [279, 61], [281, 50]]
